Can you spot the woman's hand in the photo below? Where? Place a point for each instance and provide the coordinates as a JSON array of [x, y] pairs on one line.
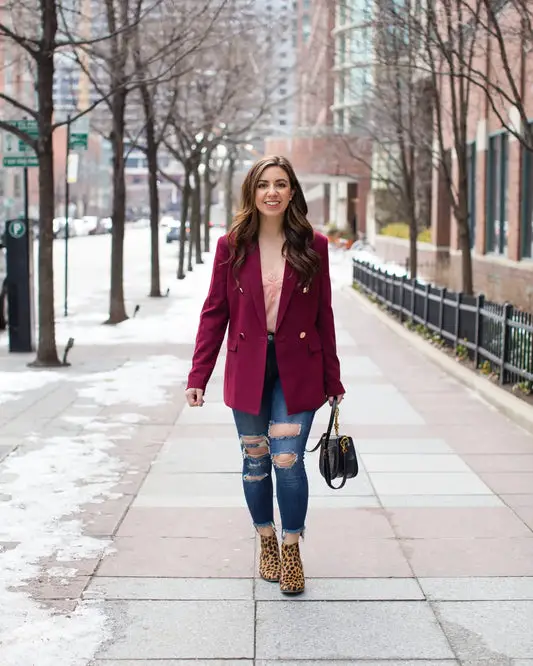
[[195, 397], [339, 399]]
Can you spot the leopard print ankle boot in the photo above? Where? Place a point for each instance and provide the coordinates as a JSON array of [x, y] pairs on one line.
[[269, 561], [292, 580]]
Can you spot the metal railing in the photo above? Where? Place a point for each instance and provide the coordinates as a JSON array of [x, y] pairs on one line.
[[498, 334]]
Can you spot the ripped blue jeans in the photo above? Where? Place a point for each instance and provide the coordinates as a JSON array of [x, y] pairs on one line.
[[273, 439]]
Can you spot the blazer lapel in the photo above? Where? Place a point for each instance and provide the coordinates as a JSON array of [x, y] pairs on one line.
[[253, 263], [289, 282]]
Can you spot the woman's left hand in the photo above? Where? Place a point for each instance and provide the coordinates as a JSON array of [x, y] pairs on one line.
[[339, 398]]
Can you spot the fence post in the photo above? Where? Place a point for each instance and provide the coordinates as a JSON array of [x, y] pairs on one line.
[[480, 302], [413, 298], [507, 315], [426, 305], [458, 317], [402, 284], [441, 309]]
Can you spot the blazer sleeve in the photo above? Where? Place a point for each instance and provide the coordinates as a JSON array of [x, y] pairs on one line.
[[326, 329], [213, 321]]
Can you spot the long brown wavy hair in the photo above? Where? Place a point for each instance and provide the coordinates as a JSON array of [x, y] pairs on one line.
[[244, 233]]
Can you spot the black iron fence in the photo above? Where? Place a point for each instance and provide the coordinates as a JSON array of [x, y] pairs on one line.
[[496, 336]]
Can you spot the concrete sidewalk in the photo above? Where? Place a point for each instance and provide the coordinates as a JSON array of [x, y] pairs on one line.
[[426, 558]]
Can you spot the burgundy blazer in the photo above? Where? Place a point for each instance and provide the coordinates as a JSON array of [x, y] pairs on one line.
[[305, 334]]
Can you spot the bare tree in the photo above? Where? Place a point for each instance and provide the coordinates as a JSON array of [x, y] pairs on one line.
[[183, 29], [33, 48]]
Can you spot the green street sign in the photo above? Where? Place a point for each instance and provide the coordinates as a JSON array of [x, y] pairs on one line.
[[24, 161], [16, 228], [79, 141], [16, 152]]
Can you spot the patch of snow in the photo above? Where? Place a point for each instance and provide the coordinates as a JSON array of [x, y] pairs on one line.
[[141, 383], [47, 486], [59, 572], [12, 384]]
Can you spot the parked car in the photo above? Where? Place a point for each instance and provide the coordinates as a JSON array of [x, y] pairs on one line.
[[174, 232]]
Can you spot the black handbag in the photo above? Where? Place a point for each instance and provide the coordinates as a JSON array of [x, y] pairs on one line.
[[338, 459]]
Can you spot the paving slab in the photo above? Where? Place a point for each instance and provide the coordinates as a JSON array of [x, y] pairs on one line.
[[353, 557], [180, 558], [178, 589], [402, 446], [434, 558], [413, 462], [488, 630], [210, 522], [181, 630], [499, 463], [430, 483], [466, 501], [379, 404], [477, 589], [346, 589], [515, 483], [362, 630], [438, 523]]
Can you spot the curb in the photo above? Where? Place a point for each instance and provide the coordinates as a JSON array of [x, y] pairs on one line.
[[516, 410]]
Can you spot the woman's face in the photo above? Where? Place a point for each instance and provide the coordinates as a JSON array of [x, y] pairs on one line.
[[273, 192]]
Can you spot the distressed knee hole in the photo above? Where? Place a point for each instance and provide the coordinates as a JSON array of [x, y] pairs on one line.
[[285, 459], [254, 478], [255, 446], [284, 430]]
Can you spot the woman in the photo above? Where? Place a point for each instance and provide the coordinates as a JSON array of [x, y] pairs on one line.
[[271, 284]]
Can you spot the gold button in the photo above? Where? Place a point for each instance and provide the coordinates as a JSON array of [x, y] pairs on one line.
[[302, 335]]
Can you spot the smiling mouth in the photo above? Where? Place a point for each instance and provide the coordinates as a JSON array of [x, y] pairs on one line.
[[272, 203]]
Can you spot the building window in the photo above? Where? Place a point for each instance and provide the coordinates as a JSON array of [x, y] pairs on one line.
[[282, 122], [471, 190], [306, 28], [527, 205], [497, 194]]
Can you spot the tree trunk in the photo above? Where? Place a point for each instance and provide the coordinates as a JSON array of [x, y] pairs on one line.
[[197, 216], [208, 193], [46, 349], [183, 230], [464, 243], [192, 232], [151, 154], [230, 170], [117, 309]]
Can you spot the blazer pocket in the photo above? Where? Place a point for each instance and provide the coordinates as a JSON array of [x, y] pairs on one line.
[[315, 344]]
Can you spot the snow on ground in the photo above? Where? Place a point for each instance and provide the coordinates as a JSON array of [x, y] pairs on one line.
[[44, 491], [14, 384], [46, 488]]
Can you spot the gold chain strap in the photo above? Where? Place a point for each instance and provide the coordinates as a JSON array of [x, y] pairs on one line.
[[344, 441]]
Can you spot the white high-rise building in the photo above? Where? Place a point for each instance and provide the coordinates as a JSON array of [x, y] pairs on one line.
[[281, 16]]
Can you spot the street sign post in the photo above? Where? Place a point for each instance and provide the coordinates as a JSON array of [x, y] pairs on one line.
[[79, 134], [16, 152]]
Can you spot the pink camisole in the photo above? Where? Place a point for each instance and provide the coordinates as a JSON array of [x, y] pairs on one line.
[[272, 285]]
